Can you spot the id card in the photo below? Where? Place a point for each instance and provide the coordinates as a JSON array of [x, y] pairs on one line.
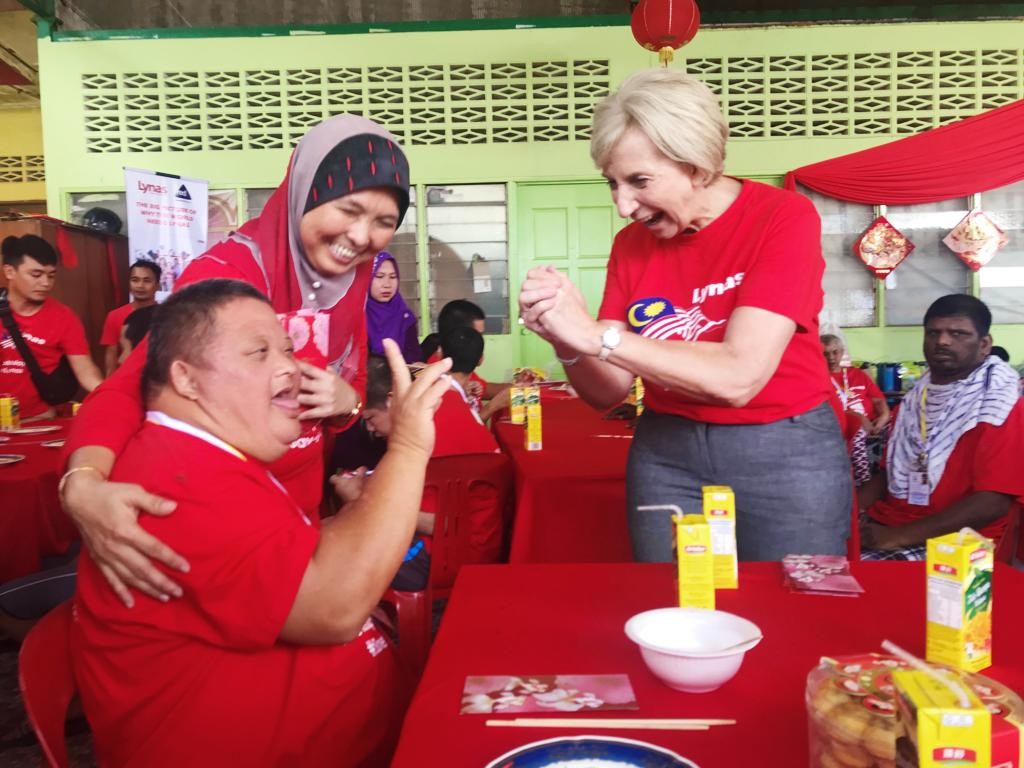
[[919, 491]]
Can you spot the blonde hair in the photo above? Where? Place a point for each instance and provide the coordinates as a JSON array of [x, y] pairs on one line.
[[677, 112]]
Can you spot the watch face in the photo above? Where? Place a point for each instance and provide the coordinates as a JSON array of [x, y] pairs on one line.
[[611, 338]]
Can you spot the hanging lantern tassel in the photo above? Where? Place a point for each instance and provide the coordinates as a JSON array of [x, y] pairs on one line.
[[665, 25]]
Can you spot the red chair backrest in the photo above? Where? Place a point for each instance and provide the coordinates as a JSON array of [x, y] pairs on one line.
[[410, 615], [47, 681], [471, 493]]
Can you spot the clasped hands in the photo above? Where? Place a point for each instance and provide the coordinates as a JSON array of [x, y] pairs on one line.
[[553, 308]]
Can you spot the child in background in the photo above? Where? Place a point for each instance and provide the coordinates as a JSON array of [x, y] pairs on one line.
[[458, 431]]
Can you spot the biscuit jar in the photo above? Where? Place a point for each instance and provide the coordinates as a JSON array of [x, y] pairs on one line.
[[852, 713]]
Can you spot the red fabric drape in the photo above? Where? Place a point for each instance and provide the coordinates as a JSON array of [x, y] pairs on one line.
[[68, 254], [119, 297], [978, 153]]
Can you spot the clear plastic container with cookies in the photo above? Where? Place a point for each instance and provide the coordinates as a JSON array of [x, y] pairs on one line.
[[852, 716]]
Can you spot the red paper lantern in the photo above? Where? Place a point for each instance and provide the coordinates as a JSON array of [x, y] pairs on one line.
[[664, 25]]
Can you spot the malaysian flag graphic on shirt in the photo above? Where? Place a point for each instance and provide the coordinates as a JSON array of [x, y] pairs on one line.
[[656, 318]]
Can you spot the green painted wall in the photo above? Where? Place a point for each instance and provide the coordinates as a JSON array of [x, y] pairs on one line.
[[794, 95]]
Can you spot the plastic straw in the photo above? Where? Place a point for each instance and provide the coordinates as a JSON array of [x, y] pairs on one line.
[[921, 665]]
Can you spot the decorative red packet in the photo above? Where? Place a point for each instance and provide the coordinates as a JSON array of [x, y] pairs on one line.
[[976, 239], [308, 329], [882, 247]]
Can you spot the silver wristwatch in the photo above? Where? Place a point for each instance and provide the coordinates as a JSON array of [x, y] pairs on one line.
[[610, 340]]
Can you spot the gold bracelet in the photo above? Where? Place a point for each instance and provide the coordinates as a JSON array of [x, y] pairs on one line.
[[356, 409], [70, 472]]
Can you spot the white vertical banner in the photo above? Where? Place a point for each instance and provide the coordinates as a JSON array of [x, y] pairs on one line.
[[167, 219]]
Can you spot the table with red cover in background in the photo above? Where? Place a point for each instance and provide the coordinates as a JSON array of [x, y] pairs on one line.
[[570, 495], [32, 523], [539, 619]]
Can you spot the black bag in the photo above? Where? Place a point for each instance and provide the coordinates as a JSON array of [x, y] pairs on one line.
[[55, 388]]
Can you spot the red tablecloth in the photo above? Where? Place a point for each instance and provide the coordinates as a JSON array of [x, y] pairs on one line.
[[570, 496], [568, 619], [32, 523]]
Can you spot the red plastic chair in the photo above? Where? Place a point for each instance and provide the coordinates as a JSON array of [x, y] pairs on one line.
[[409, 614], [458, 482], [47, 681]]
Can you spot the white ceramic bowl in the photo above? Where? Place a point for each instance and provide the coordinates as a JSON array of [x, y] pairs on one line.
[[692, 649]]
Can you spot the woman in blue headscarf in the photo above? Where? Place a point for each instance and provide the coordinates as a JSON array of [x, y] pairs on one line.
[[387, 314]]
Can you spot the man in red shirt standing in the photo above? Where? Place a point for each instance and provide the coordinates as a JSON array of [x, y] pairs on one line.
[[953, 460], [143, 280], [50, 330], [268, 657]]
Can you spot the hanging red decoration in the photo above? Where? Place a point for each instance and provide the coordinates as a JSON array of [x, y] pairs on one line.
[[882, 247], [976, 239], [664, 25]]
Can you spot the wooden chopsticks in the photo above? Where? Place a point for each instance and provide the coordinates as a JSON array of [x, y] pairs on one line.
[[644, 723]]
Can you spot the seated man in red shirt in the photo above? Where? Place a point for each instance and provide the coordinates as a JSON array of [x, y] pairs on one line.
[[459, 431], [268, 658], [953, 460], [50, 330]]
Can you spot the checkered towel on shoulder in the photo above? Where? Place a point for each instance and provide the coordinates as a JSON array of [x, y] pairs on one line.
[[916, 552]]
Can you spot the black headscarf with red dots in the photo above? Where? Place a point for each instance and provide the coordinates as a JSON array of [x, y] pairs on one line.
[[363, 161]]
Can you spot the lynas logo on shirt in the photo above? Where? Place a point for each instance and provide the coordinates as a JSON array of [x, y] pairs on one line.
[[182, 193]]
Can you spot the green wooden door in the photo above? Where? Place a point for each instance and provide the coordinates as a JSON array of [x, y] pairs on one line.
[[569, 227]]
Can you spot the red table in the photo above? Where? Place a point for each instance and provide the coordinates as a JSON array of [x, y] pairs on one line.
[[568, 619], [32, 524], [570, 496]]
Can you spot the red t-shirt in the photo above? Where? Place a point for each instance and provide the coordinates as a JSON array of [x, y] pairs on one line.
[[859, 388], [115, 321], [204, 680], [764, 251], [51, 333], [986, 458]]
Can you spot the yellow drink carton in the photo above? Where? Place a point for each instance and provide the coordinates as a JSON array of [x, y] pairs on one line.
[[935, 725], [695, 565], [533, 420], [720, 512], [517, 407], [10, 414], [959, 631]]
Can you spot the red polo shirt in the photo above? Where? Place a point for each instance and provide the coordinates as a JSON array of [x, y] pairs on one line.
[[204, 679]]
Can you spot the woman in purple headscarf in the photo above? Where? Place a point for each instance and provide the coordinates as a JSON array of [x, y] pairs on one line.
[[387, 314]]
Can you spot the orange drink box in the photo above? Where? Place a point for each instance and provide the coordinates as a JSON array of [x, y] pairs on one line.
[[695, 565], [720, 512], [517, 405], [10, 414], [935, 729], [534, 432], [959, 629]]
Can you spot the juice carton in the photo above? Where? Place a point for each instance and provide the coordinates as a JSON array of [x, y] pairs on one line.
[[695, 565], [720, 512], [533, 420], [517, 407], [959, 630], [10, 415], [940, 725]]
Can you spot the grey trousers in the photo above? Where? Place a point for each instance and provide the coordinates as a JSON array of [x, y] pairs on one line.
[[792, 480]]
